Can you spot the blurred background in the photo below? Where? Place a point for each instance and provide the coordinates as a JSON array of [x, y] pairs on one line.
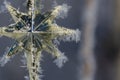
[[95, 57]]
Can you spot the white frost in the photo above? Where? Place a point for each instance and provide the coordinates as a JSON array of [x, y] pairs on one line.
[[73, 36], [54, 3], [63, 12], [3, 9], [61, 60], [26, 78], [4, 59]]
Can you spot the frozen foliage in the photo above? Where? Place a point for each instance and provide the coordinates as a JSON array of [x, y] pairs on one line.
[[35, 32]]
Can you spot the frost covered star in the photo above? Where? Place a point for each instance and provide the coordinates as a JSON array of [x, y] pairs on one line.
[[35, 32]]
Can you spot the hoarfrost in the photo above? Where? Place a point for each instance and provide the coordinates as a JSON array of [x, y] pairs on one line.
[[54, 3], [63, 12], [5, 58], [56, 42], [6, 2], [26, 78], [3, 9], [24, 61], [61, 60], [75, 36], [40, 77]]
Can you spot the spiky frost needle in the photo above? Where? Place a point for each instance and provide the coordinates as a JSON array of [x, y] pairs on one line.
[[35, 32]]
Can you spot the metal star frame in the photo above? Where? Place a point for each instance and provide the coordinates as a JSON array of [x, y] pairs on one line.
[[35, 32]]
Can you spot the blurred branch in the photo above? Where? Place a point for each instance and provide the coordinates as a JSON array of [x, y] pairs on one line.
[[88, 66], [116, 28]]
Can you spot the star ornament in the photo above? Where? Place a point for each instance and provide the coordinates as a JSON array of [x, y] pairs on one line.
[[35, 32]]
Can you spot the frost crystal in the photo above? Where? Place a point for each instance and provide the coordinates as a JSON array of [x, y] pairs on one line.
[[4, 60], [61, 60], [35, 32], [63, 10]]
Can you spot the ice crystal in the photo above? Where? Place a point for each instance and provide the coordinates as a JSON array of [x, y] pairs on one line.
[[35, 32], [61, 60]]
